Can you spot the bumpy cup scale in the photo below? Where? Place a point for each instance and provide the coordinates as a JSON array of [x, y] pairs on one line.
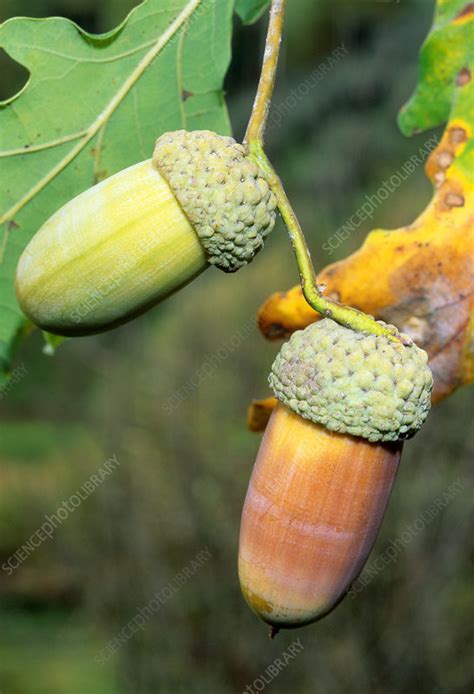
[[128, 242], [326, 466]]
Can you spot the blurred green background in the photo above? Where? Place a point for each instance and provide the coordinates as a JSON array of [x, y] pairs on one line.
[[184, 469]]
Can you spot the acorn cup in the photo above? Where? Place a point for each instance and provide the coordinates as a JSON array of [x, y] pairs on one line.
[[128, 242], [325, 467]]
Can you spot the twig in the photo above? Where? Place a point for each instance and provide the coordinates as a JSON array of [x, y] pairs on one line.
[[263, 98], [345, 315]]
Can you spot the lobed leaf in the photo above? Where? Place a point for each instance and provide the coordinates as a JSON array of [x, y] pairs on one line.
[[94, 104]]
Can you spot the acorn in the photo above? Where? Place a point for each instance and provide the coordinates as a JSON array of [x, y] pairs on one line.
[[325, 468], [128, 242]]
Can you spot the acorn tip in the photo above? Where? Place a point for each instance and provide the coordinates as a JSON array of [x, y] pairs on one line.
[[273, 632]]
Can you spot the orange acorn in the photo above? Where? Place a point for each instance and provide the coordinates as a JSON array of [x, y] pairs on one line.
[[326, 466]]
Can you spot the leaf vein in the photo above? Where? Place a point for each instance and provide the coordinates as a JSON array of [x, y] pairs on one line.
[[28, 149], [103, 117]]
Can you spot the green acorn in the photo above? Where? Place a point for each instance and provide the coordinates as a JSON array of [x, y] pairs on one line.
[[326, 465], [128, 242]]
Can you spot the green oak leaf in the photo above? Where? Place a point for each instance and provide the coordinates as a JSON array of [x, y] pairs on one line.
[[251, 10], [446, 69], [445, 89], [94, 104]]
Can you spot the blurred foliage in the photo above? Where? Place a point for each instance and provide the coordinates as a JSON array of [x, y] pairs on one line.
[[185, 453]]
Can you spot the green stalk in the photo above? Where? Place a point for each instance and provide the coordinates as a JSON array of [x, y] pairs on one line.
[[344, 315]]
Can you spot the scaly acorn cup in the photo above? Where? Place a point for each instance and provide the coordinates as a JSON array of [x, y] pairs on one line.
[[325, 468], [128, 242]]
